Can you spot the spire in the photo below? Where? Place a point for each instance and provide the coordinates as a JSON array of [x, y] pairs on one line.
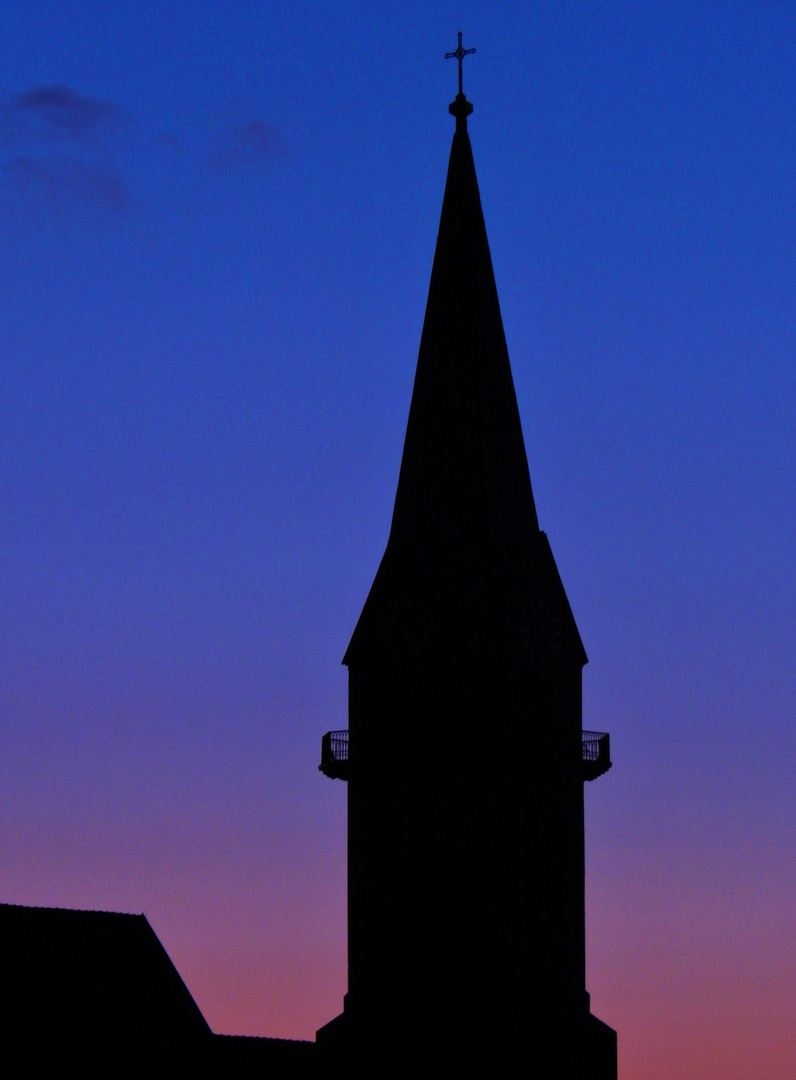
[[464, 457], [464, 549]]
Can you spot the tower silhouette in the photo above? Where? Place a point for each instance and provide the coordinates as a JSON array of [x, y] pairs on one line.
[[465, 755]]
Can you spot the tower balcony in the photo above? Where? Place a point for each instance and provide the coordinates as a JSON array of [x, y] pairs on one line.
[[334, 755], [595, 754]]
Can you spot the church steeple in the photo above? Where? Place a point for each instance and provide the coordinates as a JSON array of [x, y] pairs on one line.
[[466, 927], [464, 531], [464, 426]]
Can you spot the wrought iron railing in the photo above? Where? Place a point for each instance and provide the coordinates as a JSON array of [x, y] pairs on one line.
[[334, 755], [595, 754]]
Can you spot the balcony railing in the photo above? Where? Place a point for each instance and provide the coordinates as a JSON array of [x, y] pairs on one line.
[[596, 753], [334, 755], [595, 756]]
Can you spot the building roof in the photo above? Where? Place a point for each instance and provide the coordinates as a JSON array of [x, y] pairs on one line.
[[94, 993], [90, 987]]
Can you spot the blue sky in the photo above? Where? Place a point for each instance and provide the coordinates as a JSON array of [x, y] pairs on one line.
[[216, 231]]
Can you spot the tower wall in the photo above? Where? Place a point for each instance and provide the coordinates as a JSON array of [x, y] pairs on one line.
[[466, 871]]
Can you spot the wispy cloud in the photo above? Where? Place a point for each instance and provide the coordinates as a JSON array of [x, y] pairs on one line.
[[63, 151], [246, 141], [57, 149], [56, 112]]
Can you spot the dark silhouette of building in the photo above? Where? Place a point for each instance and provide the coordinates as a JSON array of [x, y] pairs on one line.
[[465, 779], [94, 994], [467, 757]]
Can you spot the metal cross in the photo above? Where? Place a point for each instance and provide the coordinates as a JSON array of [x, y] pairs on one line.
[[460, 55]]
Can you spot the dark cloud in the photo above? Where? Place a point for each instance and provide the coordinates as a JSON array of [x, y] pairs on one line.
[[249, 141], [58, 150], [56, 112], [60, 183], [62, 150]]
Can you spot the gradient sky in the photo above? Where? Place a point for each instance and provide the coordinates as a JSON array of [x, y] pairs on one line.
[[217, 222]]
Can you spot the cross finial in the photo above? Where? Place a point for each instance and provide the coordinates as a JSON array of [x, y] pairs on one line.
[[460, 54]]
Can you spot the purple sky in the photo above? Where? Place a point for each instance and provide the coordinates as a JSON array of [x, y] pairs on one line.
[[217, 223]]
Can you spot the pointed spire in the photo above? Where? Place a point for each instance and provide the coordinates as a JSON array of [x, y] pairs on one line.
[[465, 552], [464, 455]]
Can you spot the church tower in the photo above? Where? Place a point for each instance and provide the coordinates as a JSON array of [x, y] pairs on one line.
[[467, 756]]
